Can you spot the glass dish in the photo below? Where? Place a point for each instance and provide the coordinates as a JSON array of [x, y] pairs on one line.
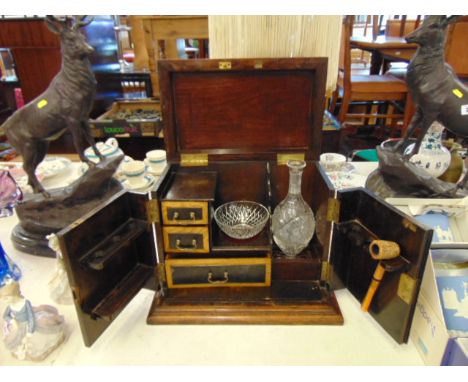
[[241, 219]]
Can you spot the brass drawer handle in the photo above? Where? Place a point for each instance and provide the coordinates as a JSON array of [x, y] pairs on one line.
[[176, 215], [223, 281], [186, 247]]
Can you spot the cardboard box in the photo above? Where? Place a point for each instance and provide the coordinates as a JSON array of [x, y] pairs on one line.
[[448, 218], [110, 125], [441, 313], [457, 353]]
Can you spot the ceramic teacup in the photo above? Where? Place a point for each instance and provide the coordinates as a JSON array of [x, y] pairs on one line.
[[109, 148], [332, 161], [156, 160], [134, 172]]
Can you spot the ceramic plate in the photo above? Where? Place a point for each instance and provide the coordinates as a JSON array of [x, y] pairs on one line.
[[342, 180], [52, 166]]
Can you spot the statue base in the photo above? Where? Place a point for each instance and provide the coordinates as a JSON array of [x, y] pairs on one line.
[[40, 216], [397, 177], [29, 242]]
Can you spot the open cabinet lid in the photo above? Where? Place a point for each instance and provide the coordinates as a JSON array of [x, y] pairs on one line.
[[109, 256], [236, 109], [362, 218]]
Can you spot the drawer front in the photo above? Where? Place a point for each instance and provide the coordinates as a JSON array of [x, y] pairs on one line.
[[185, 213], [186, 239], [205, 273]]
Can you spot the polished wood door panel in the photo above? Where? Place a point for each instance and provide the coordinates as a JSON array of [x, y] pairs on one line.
[[108, 255], [363, 218]]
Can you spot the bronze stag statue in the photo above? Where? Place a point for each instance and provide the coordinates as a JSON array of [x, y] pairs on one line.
[[65, 104], [438, 93]]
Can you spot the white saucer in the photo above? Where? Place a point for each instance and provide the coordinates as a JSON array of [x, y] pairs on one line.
[[150, 170], [118, 174], [145, 185], [342, 180]]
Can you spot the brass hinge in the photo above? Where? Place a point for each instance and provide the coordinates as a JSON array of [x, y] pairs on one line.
[[76, 294], [191, 160], [409, 225], [283, 158], [96, 132], [225, 65], [258, 65], [152, 211], [333, 211], [325, 271], [406, 288], [161, 273]]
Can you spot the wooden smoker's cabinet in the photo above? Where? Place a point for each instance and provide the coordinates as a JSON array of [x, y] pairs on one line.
[[230, 127]]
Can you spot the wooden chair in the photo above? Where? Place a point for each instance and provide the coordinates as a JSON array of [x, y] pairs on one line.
[[155, 37], [358, 56], [456, 53], [364, 88], [400, 27]]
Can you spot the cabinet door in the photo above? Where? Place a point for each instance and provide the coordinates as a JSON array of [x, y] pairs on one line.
[[363, 218], [109, 256]]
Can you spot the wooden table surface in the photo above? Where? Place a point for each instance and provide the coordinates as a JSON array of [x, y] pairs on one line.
[[394, 49], [381, 42]]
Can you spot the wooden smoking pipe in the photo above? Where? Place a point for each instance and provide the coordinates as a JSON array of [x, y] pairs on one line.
[[381, 250]]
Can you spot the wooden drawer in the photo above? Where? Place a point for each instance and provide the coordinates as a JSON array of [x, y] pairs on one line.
[[218, 272], [186, 239], [184, 213]]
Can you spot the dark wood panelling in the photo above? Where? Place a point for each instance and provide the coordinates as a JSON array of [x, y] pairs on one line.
[[36, 52]]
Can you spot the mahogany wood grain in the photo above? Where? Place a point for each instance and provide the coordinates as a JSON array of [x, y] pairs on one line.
[[36, 52], [284, 303], [103, 291], [257, 108]]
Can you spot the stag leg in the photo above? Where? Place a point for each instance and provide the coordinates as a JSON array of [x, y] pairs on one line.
[[426, 123], [34, 153], [89, 139], [415, 122], [78, 141]]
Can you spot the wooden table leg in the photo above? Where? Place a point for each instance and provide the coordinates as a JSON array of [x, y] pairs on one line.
[[376, 63]]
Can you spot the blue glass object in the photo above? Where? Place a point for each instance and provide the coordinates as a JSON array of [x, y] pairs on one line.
[[8, 269]]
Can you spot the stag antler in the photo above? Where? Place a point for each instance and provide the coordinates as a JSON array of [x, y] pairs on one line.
[[80, 23], [55, 24]]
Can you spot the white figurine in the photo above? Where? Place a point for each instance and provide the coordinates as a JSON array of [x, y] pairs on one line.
[[59, 288], [30, 333]]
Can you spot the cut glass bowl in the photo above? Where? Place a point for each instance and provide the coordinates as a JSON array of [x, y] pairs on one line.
[[241, 219]]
